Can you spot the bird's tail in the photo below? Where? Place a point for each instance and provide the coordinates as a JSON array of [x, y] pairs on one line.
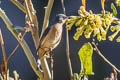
[[40, 55]]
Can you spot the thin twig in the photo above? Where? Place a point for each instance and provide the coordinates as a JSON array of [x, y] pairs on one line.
[[28, 11], [115, 74], [67, 46], [22, 8], [12, 52], [31, 14], [22, 42], [51, 66], [16, 47], [19, 5], [63, 7], [45, 25], [105, 59], [4, 62], [33, 19]]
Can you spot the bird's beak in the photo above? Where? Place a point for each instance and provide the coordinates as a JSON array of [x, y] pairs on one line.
[[67, 17], [63, 19]]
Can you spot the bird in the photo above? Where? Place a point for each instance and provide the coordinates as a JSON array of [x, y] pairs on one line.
[[53, 37]]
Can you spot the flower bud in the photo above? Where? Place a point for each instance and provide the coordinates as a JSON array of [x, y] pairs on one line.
[[118, 39], [107, 21], [96, 31], [76, 36], [69, 26], [78, 22], [111, 37], [112, 28], [99, 37], [103, 32]]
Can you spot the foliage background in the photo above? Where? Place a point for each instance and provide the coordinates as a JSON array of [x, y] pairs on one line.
[[19, 62]]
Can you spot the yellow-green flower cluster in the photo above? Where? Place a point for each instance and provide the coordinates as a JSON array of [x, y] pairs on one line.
[[96, 24], [116, 30]]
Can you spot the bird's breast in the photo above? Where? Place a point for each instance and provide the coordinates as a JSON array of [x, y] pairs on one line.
[[57, 34], [53, 37]]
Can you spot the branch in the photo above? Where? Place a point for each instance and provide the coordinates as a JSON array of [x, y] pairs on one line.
[[29, 10], [22, 36], [67, 46], [19, 5], [47, 15], [12, 52], [63, 7], [45, 25], [4, 65], [22, 43], [105, 59], [33, 19]]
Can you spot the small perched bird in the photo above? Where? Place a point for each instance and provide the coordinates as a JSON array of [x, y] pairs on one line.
[[53, 37]]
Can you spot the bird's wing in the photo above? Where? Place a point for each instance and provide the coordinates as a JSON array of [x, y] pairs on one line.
[[44, 34], [52, 39], [48, 37]]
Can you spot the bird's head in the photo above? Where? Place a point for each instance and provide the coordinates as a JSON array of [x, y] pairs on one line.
[[61, 18]]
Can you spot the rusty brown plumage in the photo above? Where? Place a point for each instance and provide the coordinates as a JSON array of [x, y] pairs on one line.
[[53, 38]]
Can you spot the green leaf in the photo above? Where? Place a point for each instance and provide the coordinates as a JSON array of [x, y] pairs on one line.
[[114, 9], [85, 55], [18, 29]]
